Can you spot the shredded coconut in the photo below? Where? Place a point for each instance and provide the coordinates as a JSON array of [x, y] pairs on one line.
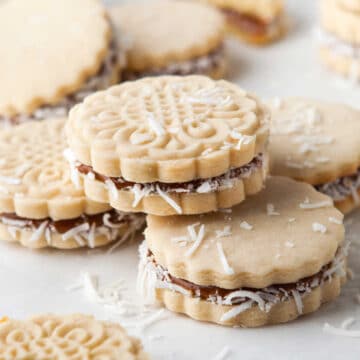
[[9, 180], [308, 206], [246, 226], [270, 208], [75, 231], [317, 227], [155, 126], [227, 268], [223, 233], [169, 200], [335, 221], [236, 310], [223, 354], [112, 189], [298, 301], [36, 235], [341, 332], [197, 242]]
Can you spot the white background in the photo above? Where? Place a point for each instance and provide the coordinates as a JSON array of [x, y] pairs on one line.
[[35, 281]]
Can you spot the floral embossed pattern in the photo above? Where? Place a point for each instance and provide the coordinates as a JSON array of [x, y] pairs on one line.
[[35, 180], [73, 337], [164, 122]]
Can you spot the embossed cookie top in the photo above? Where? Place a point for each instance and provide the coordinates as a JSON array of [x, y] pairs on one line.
[[162, 32], [56, 337], [37, 43], [35, 179], [314, 141], [280, 235], [264, 9], [143, 130]]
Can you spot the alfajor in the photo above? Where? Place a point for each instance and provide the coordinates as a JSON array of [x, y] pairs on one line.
[[278, 255]]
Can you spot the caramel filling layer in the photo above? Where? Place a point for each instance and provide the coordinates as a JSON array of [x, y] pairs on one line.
[[342, 188], [247, 23], [111, 218], [201, 65], [210, 293], [199, 185]]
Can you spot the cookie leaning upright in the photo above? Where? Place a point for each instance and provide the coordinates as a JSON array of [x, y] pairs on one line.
[[39, 204], [276, 256], [257, 22], [170, 145], [171, 38], [53, 53], [339, 36], [55, 337], [318, 143]]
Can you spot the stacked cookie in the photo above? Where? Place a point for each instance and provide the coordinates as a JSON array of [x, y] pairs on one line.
[[222, 243], [41, 202], [318, 143], [340, 36]]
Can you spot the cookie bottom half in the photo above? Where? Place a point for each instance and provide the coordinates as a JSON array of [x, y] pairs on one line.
[[252, 29], [212, 65], [244, 307], [200, 196], [86, 231]]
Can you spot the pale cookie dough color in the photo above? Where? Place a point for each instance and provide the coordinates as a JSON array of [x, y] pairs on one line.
[[170, 145], [276, 256], [53, 53], [318, 143], [67, 337], [171, 38], [39, 203], [339, 36], [257, 22]]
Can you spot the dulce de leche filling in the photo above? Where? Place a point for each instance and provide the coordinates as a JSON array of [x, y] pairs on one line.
[[200, 185], [110, 219], [249, 24], [265, 298]]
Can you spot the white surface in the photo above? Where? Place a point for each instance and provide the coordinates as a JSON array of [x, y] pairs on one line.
[[34, 282]]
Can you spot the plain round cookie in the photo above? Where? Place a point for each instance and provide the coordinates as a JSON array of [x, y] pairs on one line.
[[314, 141], [35, 178], [47, 34], [56, 337], [169, 129], [282, 246], [164, 32]]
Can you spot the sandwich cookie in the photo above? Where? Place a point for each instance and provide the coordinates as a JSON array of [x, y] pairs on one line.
[[256, 22], [267, 261], [75, 336], [39, 204], [339, 36], [318, 143], [170, 145], [69, 51], [171, 38]]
